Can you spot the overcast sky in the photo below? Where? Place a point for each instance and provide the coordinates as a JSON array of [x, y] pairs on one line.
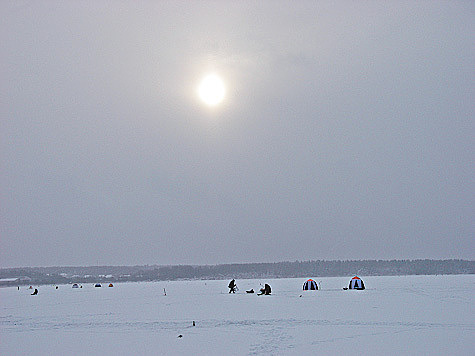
[[346, 131]]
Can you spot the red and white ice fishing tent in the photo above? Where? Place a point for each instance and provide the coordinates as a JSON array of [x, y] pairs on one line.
[[356, 283], [310, 285]]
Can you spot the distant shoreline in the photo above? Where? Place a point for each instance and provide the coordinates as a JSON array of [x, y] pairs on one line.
[[297, 269]]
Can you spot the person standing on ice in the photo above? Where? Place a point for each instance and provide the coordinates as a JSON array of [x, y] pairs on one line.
[[232, 286]]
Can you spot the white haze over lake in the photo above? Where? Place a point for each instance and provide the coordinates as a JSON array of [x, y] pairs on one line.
[[346, 131], [406, 315]]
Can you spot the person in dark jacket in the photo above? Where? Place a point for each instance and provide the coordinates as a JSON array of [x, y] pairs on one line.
[[232, 286], [35, 292], [266, 290]]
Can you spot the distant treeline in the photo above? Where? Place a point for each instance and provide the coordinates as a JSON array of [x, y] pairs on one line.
[[298, 269]]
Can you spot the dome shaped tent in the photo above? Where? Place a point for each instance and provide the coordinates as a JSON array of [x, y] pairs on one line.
[[310, 285], [356, 283]]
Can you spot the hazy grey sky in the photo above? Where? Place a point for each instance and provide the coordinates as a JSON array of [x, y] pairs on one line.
[[346, 132]]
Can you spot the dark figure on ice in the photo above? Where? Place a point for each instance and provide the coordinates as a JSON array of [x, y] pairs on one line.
[[250, 291], [35, 292], [232, 286], [266, 290]]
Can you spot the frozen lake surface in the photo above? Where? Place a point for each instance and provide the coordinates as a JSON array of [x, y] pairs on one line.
[[409, 315]]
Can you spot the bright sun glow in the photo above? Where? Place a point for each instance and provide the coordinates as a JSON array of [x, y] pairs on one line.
[[211, 90]]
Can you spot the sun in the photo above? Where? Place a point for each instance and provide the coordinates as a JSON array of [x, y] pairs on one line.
[[211, 90]]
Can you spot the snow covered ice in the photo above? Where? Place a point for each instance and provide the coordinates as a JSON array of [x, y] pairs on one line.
[[409, 315]]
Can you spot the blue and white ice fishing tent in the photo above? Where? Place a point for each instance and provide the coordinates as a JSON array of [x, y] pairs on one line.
[[356, 283], [310, 285]]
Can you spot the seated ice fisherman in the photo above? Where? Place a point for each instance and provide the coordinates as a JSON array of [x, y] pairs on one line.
[[266, 290]]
